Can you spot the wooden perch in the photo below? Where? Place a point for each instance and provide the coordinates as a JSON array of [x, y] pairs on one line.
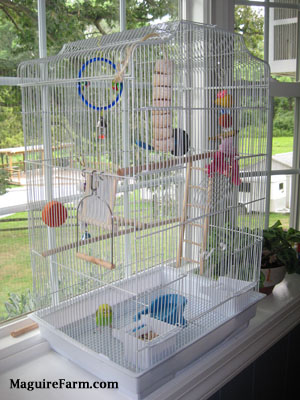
[[25, 329], [108, 235], [95, 260], [206, 224], [157, 166], [183, 215]]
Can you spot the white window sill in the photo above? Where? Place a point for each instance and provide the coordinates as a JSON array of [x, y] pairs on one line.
[[29, 357]]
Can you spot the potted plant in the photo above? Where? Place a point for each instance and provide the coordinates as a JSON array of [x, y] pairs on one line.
[[278, 255]]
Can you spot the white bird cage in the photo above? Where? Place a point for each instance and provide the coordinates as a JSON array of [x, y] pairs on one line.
[[144, 251]]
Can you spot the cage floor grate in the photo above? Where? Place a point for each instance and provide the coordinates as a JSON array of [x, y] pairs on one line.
[[101, 340]]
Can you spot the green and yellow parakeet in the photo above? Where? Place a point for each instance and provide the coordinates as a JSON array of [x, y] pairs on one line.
[[104, 315]]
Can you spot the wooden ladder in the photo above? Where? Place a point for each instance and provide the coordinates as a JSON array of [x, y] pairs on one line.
[[191, 204]]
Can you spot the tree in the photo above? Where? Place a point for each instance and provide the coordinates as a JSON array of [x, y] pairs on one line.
[[69, 21], [11, 133], [283, 113], [4, 181], [249, 22], [66, 21]]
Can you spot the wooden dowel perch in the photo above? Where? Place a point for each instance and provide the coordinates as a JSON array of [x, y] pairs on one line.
[[108, 235], [183, 217], [157, 166], [95, 260], [25, 329], [206, 224]]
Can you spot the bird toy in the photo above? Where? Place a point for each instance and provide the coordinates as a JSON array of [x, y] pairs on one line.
[[223, 99], [162, 99], [225, 119], [85, 236], [54, 214], [102, 128], [117, 88], [224, 160], [85, 84], [165, 138]]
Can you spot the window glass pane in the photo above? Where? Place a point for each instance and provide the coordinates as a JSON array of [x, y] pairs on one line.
[[283, 133], [15, 269], [283, 41], [11, 131], [282, 158], [280, 199], [249, 22]]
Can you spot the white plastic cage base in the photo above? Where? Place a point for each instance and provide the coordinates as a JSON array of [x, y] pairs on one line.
[[141, 371]]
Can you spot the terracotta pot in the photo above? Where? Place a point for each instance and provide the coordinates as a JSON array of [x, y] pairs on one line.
[[269, 277]]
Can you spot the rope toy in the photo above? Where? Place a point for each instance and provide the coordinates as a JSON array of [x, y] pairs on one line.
[[120, 72]]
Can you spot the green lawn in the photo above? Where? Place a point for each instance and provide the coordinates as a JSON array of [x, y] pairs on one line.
[[15, 268], [284, 219], [282, 144]]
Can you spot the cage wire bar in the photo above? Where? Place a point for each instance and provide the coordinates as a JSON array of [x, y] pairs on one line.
[[156, 210]]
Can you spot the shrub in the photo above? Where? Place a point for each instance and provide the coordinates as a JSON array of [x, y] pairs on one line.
[[283, 124], [19, 304], [4, 181]]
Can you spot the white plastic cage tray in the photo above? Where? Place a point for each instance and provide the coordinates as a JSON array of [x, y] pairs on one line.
[[218, 317]]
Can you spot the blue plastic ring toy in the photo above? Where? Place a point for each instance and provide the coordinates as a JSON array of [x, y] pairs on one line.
[[104, 108]]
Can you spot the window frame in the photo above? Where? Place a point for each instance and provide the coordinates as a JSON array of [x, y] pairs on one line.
[[280, 89]]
